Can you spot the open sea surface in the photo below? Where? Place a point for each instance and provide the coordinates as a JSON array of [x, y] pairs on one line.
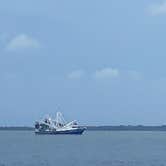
[[93, 148]]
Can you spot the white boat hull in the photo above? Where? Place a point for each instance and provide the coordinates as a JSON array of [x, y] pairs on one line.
[[77, 131]]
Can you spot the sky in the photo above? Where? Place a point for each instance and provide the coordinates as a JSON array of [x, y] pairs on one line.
[[99, 62]]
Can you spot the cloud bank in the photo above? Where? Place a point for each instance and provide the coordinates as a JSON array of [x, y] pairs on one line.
[[157, 9], [21, 42], [106, 73]]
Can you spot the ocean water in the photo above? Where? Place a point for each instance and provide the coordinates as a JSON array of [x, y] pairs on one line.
[[93, 148]]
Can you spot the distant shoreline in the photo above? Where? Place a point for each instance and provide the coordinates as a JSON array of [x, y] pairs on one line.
[[98, 128]]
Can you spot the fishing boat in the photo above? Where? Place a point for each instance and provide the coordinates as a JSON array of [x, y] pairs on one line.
[[58, 126]]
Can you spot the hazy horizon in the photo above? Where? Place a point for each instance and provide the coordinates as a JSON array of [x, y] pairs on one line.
[[99, 62]]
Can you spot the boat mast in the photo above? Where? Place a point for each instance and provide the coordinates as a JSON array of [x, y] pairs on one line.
[[60, 119]]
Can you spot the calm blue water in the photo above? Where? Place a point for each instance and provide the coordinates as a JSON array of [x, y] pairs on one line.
[[101, 148]]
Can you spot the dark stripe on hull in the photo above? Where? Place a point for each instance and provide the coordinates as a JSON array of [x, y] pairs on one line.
[[76, 131]]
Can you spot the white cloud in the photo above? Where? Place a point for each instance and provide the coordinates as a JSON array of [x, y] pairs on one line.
[[77, 74], [157, 9], [22, 41], [107, 73]]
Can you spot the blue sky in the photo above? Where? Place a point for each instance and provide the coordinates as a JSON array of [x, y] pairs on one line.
[[101, 62]]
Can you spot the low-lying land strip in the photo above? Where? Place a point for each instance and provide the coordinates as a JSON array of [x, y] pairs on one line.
[[101, 128]]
